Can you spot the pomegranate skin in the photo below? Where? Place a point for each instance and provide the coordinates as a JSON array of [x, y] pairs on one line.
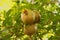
[[30, 29], [27, 17]]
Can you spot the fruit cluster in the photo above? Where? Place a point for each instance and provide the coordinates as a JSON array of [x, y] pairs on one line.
[[30, 17]]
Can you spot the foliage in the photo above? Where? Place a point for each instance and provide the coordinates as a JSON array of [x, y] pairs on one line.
[[11, 26]]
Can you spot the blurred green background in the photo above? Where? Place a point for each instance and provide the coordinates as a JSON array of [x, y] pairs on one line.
[[11, 24]]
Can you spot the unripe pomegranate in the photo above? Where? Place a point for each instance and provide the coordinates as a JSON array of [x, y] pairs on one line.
[[30, 29], [37, 16], [27, 16]]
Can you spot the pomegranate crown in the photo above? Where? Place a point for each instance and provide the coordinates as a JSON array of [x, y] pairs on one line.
[[25, 11]]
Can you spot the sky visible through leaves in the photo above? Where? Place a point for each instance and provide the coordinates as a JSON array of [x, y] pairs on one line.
[[6, 4]]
